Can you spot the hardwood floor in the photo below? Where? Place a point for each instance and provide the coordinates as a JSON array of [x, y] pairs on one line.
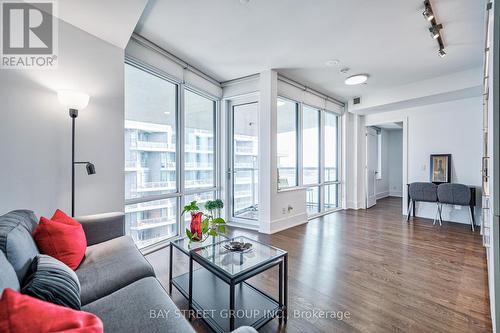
[[388, 275]]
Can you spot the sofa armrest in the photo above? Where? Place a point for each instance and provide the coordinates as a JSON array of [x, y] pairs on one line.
[[99, 228]]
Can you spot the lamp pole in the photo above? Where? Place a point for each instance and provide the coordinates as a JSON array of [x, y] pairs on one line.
[[73, 113]]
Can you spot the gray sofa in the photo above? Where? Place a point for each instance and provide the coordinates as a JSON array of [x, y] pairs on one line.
[[117, 283]]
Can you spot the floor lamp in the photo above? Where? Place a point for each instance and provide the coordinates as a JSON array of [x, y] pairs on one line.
[[74, 101]]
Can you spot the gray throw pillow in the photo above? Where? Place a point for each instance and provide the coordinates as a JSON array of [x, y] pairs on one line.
[[51, 280]]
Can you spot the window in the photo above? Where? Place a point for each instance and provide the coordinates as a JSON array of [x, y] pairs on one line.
[[331, 147], [319, 147], [154, 193], [287, 143], [199, 141], [150, 155], [310, 145]]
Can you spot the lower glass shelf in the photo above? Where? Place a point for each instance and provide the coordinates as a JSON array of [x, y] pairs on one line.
[[211, 301]]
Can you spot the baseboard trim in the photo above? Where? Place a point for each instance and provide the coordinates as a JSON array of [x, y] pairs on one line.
[[396, 194], [382, 195], [287, 222]]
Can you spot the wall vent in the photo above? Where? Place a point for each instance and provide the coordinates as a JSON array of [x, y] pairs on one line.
[[356, 100]]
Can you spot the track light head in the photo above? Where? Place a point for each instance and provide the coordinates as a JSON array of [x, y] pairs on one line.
[[441, 53], [90, 168], [428, 14], [434, 30]]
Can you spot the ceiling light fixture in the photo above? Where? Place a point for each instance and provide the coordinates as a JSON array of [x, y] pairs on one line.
[[435, 28], [356, 79]]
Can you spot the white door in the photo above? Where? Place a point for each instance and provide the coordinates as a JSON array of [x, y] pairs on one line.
[[371, 166]]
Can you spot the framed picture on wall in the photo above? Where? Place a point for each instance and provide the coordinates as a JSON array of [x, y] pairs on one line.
[[440, 168]]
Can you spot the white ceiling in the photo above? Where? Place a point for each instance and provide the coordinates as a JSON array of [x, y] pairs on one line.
[[110, 20], [388, 39]]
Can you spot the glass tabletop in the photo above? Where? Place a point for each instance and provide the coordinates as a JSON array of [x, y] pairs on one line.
[[185, 245], [235, 263]]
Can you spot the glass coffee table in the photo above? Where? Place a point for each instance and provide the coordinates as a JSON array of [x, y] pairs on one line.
[[218, 289]]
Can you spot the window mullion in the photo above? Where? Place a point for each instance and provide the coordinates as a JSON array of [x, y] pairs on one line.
[[181, 154]]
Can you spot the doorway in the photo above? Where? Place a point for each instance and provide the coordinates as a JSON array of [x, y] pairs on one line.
[[384, 162]]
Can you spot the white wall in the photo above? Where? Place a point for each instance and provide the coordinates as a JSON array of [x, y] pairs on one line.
[[36, 134], [395, 163], [453, 127]]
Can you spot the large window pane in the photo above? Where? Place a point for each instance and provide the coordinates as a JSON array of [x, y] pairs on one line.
[[150, 134], [312, 200], [331, 196], [199, 122], [310, 145], [287, 143], [152, 221], [331, 147], [245, 160]]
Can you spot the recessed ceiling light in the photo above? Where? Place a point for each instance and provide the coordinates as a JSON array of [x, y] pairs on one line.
[[356, 79], [331, 63], [167, 113]]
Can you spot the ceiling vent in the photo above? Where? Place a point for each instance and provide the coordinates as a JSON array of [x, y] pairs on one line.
[[356, 100]]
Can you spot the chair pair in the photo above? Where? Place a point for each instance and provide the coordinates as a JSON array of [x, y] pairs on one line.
[[444, 194]]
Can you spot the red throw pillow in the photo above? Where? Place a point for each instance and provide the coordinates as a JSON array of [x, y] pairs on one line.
[[62, 238], [24, 314]]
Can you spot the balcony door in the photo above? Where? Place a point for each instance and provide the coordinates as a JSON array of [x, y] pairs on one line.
[[244, 162]]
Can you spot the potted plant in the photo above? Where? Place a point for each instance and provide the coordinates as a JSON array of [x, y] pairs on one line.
[[205, 224]]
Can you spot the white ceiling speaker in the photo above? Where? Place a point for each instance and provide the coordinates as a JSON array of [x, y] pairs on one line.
[[356, 79]]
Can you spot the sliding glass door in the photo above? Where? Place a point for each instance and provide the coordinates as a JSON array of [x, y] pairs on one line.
[[244, 161]]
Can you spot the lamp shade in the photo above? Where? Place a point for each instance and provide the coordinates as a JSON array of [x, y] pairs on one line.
[[73, 99]]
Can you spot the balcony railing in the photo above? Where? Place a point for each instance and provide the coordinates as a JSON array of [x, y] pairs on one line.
[[152, 145], [154, 223]]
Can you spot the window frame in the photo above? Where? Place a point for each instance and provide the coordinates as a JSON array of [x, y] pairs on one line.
[[180, 192]]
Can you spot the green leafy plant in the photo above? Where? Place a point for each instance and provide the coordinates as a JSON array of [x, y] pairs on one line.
[[212, 224]]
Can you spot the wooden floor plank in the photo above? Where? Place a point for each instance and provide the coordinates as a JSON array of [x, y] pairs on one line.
[[391, 276]]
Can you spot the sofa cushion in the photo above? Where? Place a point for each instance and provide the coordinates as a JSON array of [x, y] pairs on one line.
[[109, 266], [136, 308], [24, 314], [16, 241], [8, 277], [51, 280]]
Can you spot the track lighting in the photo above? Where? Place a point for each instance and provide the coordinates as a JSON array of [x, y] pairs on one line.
[[435, 28]]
